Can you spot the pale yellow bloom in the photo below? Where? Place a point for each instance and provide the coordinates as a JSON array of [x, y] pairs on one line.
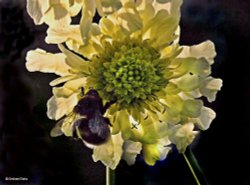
[[132, 57]]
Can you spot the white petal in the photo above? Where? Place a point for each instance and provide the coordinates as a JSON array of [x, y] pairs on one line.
[[88, 12], [163, 147], [192, 108], [74, 61], [203, 50], [75, 8], [70, 87], [130, 151], [63, 79], [57, 35], [57, 15], [209, 87], [40, 60], [187, 82], [109, 153], [161, 5], [58, 107], [129, 19], [105, 7], [36, 9], [182, 135], [204, 120]]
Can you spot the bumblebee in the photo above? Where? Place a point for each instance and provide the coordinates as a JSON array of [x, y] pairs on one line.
[[88, 122]]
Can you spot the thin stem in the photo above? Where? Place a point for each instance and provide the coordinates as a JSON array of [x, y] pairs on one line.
[[191, 169], [110, 176]]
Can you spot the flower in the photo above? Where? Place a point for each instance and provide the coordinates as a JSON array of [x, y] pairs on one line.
[[132, 58]]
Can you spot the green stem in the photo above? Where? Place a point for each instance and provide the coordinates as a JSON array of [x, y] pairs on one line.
[[110, 176], [191, 169]]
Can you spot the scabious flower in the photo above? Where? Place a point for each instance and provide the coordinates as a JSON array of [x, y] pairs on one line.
[[131, 57]]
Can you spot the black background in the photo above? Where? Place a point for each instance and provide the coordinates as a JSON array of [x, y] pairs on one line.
[[27, 150]]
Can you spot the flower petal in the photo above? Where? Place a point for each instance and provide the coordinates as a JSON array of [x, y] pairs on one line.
[[74, 61], [57, 15], [40, 60], [105, 7], [209, 87], [192, 108], [75, 7], [123, 120], [204, 120], [187, 82], [57, 35], [109, 153], [36, 9], [70, 87], [192, 66], [129, 19], [63, 79], [157, 151], [58, 107], [203, 50], [130, 151], [182, 135], [88, 12]]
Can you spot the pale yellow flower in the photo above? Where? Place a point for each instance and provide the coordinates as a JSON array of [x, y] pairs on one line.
[[132, 58]]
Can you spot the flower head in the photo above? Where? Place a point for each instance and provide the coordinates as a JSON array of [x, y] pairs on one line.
[[132, 58]]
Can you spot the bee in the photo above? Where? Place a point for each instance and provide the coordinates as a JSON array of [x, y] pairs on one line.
[[88, 122]]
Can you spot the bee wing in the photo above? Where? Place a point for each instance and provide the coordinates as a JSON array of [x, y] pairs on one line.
[[56, 131], [64, 126], [68, 126]]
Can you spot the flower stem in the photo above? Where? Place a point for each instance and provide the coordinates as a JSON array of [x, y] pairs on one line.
[[194, 167], [191, 169], [110, 176]]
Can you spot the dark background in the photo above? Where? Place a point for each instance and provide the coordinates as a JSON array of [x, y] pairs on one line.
[[27, 150]]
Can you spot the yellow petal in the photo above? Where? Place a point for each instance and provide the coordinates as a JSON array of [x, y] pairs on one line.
[[124, 123], [109, 153], [146, 10], [160, 29], [156, 151], [40, 60], [172, 89], [107, 26]]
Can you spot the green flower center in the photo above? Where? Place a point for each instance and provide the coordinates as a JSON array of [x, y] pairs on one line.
[[128, 72]]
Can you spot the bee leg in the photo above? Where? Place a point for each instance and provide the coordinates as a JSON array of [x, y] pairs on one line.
[[108, 122], [106, 106], [82, 91]]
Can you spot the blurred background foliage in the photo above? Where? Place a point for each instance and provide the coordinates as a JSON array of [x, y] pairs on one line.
[[27, 150]]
